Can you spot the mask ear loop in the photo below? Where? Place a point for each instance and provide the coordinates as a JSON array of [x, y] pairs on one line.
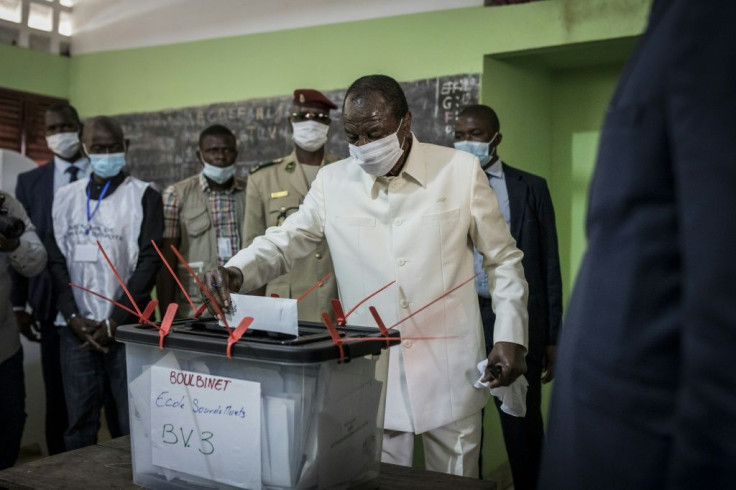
[[397, 130], [490, 143], [491, 155]]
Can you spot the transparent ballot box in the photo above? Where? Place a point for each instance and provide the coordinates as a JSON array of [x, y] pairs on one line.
[[283, 412]]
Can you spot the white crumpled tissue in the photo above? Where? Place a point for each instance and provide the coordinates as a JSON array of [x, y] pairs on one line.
[[513, 397]]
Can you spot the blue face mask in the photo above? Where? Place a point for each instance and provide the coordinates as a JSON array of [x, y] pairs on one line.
[[478, 148], [218, 174], [107, 165]]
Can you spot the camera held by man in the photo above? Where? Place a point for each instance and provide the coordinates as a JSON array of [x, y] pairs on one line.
[[11, 228], [22, 251]]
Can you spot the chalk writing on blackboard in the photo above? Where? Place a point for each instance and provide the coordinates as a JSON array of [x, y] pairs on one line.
[[163, 144]]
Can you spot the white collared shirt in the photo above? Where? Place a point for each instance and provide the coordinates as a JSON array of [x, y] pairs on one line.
[[498, 183], [416, 230], [497, 179], [61, 177]]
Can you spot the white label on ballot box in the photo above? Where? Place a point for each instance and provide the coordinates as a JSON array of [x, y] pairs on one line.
[[205, 425]]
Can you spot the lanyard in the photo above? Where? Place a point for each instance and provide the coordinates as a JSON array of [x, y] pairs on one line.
[[97, 207]]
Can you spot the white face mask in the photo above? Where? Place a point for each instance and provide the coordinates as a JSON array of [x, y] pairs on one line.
[[378, 157], [218, 174], [309, 135], [478, 148], [66, 145]]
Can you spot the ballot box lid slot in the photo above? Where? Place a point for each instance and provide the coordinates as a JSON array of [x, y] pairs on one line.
[[313, 344]]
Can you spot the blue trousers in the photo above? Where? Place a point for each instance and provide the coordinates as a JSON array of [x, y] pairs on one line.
[[87, 376]]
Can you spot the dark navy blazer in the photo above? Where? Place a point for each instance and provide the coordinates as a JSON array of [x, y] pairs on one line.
[[533, 227], [645, 395]]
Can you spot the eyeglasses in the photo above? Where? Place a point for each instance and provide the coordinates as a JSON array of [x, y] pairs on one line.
[[306, 116]]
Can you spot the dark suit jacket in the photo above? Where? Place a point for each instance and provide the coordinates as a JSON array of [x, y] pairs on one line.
[[35, 191], [650, 336], [533, 227]]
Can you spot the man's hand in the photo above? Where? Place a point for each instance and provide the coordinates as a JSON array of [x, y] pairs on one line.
[[25, 323], [83, 326], [8, 245], [85, 330], [100, 337], [219, 283], [506, 362], [549, 358], [112, 326]]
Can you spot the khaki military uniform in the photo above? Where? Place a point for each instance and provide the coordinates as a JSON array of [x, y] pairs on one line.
[[274, 191]]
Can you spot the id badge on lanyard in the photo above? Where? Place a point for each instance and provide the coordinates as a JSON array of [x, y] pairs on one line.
[[85, 252], [89, 252], [224, 248]]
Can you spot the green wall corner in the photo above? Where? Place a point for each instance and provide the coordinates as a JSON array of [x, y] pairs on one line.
[[26, 70], [549, 68]]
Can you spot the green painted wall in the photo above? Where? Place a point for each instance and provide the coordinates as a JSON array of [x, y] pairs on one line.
[[550, 120], [550, 105], [332, 56], [521, 94], [32, 71], [580, 99]]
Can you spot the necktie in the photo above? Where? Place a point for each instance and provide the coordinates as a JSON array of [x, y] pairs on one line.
[[72, 171]]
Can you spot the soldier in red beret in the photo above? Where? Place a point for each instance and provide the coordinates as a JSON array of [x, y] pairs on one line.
[[276, 189]]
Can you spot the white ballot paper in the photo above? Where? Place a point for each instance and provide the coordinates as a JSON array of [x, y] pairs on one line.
[[205, 425], [269, 314]]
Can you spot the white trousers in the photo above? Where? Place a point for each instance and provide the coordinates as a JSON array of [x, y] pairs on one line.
[[453, 448]]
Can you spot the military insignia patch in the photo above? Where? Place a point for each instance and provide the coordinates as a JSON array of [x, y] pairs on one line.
[[277, 194]]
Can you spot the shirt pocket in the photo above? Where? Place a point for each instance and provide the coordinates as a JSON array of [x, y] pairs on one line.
[[280, 209], [366, 221], [196, 221], [449, 215]]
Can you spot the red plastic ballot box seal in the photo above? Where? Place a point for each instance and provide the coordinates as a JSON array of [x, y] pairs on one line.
[[269, 314]]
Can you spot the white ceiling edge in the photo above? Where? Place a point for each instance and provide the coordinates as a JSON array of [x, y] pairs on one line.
[[106, 25]]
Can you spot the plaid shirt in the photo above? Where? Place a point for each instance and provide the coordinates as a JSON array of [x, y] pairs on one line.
[[222, 205]]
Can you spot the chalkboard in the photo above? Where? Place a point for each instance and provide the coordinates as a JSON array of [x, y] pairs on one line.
[[163, 144]]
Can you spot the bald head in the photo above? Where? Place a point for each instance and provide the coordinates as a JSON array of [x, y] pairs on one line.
[[103, 134], [107, 124], [482, 113], [378, 86]]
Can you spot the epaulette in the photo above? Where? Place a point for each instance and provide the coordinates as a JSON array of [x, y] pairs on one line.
[[256, 168]]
